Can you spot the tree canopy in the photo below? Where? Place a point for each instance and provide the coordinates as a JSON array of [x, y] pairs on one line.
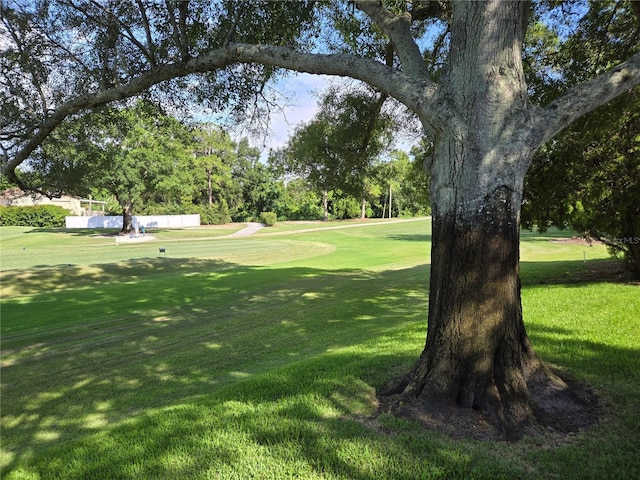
[[588, 178], [236, 47], [337, 148]]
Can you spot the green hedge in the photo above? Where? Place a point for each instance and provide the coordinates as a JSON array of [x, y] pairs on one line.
[[47, 216]]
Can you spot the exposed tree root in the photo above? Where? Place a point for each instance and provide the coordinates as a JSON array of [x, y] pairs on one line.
[[559, 407]]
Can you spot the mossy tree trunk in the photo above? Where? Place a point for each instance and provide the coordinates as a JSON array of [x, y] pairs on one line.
[[477, 353]]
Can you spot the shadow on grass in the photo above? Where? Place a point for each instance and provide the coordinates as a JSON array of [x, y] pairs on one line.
[[44, 278], [121, 340], [411, 238], [77, 232], [300, 421], [306, 419], [573, 272], [610, 451], [138, 371]]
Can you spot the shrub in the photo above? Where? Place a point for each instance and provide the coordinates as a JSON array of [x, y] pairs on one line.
[[346, 207], [46, 216], [268, 218], [216, 214]]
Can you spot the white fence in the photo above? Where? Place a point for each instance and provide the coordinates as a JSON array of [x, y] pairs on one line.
[[146, 221]]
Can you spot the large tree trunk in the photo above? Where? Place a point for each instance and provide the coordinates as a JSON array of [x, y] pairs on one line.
[[477, 353], [477, 356], [325, 205], [127, 217]]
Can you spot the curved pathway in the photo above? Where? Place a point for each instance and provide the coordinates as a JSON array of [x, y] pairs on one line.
[[253, 227], [250, 229]]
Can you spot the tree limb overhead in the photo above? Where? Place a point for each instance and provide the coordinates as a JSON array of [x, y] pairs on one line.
[[585, 98]]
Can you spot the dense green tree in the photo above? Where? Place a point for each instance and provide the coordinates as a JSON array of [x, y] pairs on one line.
[[214, 155], [300, 157], [71, 159], [469, 92], [297, 201], [335, 150], [396, 172], [418, 181], [401, 185], [343, 206], [146, 152], [588, 178], [5, 183], [371, 192], [137, 154]]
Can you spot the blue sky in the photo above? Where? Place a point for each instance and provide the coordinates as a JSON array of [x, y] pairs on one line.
[[298, 97], [300, 92]]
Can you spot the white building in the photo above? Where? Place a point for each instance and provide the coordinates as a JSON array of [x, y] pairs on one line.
[[14, 197]]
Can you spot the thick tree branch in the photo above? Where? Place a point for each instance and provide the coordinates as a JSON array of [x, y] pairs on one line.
[[397, 28], [409, 91], [372, 72], [584, 98]]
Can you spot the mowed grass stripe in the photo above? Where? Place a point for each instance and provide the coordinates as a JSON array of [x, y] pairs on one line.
[[239, 250], [194, 318]]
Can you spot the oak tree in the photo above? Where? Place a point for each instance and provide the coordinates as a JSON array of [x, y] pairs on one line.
[[214, 155], [336, 148], [458, 66]]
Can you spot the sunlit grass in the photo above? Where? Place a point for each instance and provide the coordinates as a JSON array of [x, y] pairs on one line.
[[261, 357], [306, 226]]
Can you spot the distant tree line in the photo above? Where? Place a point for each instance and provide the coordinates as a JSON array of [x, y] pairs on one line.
[[143, 161]]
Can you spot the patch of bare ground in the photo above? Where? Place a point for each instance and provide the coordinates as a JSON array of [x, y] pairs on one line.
[[610, 270], [560, 413], [576, 241]]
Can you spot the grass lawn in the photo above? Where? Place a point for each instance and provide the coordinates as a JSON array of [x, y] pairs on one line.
[[260, 357]]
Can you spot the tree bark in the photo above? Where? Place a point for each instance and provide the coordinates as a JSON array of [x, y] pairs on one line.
[[127, 217], [477, 354], [477, 357], [477, 350], [325, 205]]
